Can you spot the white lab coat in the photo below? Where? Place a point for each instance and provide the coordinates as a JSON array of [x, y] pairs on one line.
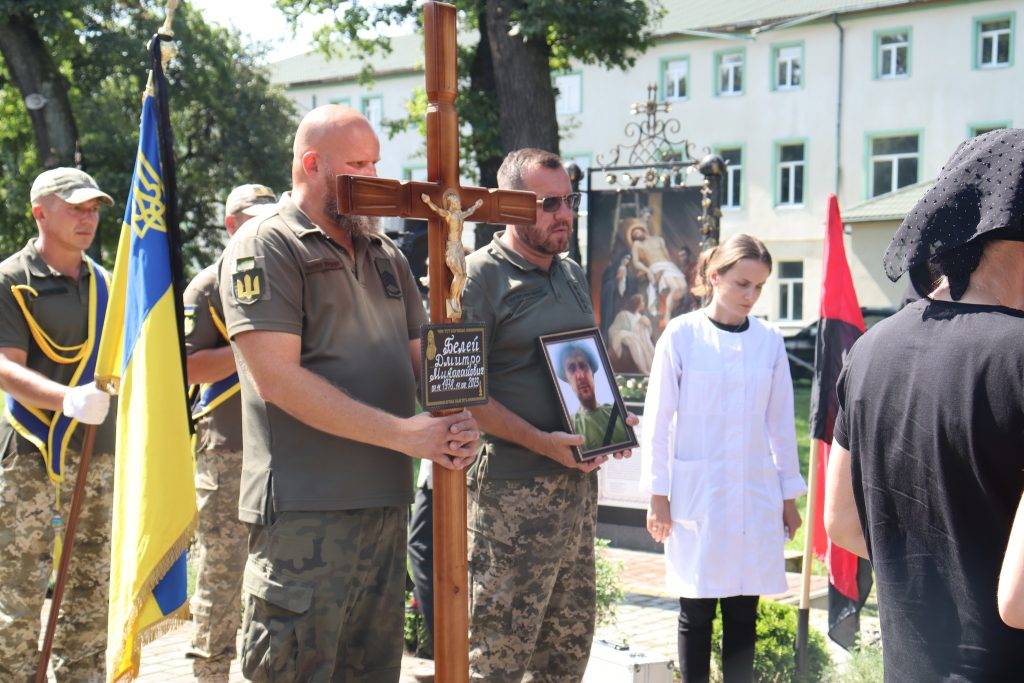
[[718, 438]]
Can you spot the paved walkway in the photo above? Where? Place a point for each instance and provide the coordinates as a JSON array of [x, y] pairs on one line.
[[645, 620]]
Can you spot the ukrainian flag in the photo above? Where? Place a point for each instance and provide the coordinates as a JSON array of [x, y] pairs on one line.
[[141, 355]]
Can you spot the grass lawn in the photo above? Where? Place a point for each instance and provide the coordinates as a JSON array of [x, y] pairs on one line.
[[802, 407]]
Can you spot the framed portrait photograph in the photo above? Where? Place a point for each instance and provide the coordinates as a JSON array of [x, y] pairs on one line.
[[591, 404]]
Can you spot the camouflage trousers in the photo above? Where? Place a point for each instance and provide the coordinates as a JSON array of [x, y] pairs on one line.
[[221, 542], [532, 583], [27, 498], [323, 595]]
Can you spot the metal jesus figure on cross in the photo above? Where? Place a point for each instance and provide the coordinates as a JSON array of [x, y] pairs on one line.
[[454, 254], [367, 196]]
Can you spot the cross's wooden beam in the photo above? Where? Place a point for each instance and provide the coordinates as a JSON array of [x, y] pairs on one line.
[[368, 196]]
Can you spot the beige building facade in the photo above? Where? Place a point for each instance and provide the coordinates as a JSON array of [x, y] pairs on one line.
[[864, 98]]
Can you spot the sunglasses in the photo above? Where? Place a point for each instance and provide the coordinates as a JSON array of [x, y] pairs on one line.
[[552, 204]]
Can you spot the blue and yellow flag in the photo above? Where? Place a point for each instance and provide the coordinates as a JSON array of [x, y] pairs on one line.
[[141, 355]]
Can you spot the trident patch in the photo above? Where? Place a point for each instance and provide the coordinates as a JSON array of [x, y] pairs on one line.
[[190, 320], [248, 283]]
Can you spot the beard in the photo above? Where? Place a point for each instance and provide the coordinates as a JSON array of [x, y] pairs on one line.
[[357, 226], [546, 241]]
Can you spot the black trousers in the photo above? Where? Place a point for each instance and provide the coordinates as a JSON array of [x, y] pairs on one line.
[[421, 554], [739, 622]]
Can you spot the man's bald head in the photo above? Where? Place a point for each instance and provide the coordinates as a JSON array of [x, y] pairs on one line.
[[331, 140], [337, 133]]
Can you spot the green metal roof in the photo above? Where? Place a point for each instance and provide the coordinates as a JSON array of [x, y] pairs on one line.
[[731, 15], [892, 206]]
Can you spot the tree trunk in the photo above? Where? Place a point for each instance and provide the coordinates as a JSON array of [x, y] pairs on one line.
[[481, 80], [522, 74], [33, 71]]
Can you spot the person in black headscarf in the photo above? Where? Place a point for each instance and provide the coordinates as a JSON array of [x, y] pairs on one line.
[[927, 466]]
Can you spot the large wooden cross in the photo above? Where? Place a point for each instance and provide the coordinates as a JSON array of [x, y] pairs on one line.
[[367, 196]]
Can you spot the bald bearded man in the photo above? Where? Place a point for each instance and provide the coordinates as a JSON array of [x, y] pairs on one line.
[[324, 319]]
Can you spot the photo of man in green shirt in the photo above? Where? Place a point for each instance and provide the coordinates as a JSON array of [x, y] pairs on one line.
[[600, 424]]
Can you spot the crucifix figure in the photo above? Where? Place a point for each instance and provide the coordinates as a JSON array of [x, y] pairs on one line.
[[454, 254], [368, 196]]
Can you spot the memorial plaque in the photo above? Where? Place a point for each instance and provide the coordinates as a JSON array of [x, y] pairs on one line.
[[454, 366]]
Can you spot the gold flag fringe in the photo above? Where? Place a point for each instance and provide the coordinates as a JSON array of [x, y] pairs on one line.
[[165, 625]]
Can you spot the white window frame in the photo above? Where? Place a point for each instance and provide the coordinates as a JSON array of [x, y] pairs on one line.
[[731, 171], [994, 35], [894, 161], [789, 168], [732, 62], [894, 49], [796, 57], [677, 70], [563, 105], [366, 108], [787, 293]]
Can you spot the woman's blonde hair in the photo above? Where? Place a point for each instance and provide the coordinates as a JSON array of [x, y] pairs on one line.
[[723, 257]]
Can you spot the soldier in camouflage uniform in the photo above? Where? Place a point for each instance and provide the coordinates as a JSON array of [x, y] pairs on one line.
[[532, 507], [46, 291], [221, 537], [324, 317]]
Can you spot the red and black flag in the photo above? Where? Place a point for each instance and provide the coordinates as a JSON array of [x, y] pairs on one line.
[[840, 325]]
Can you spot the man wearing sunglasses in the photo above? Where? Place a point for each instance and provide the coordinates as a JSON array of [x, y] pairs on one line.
[[532, 507]]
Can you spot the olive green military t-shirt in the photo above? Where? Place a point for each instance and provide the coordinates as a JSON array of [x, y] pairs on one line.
[[592, 425], [60, 306], [220, 429], [282, 273], [518, 302]]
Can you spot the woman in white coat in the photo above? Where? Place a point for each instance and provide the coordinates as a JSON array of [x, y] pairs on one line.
[[720, 458]]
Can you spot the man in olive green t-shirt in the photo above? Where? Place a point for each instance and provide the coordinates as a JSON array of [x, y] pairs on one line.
[[532, 507], [221, 537], [46, 291], [324, 317]]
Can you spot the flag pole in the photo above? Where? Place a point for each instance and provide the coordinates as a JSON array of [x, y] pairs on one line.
[[89, 438], [65, 557], [803, 616]]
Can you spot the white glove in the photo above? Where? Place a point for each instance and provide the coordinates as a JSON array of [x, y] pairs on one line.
[[87, 404]]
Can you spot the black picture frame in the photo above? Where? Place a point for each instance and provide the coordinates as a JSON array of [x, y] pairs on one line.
[[607, 433]]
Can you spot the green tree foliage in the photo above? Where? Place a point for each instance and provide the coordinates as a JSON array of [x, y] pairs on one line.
[[607, 32], [230, 125]]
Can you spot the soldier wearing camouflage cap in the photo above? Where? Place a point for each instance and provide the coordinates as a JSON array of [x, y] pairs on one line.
[[52, 305], [221, 537]]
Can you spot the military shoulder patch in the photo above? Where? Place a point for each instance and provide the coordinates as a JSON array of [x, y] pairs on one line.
[[249, 286], [387, 277], [190, 319]]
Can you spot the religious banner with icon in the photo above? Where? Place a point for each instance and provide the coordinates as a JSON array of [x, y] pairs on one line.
[[454, 366], [642, 255]]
